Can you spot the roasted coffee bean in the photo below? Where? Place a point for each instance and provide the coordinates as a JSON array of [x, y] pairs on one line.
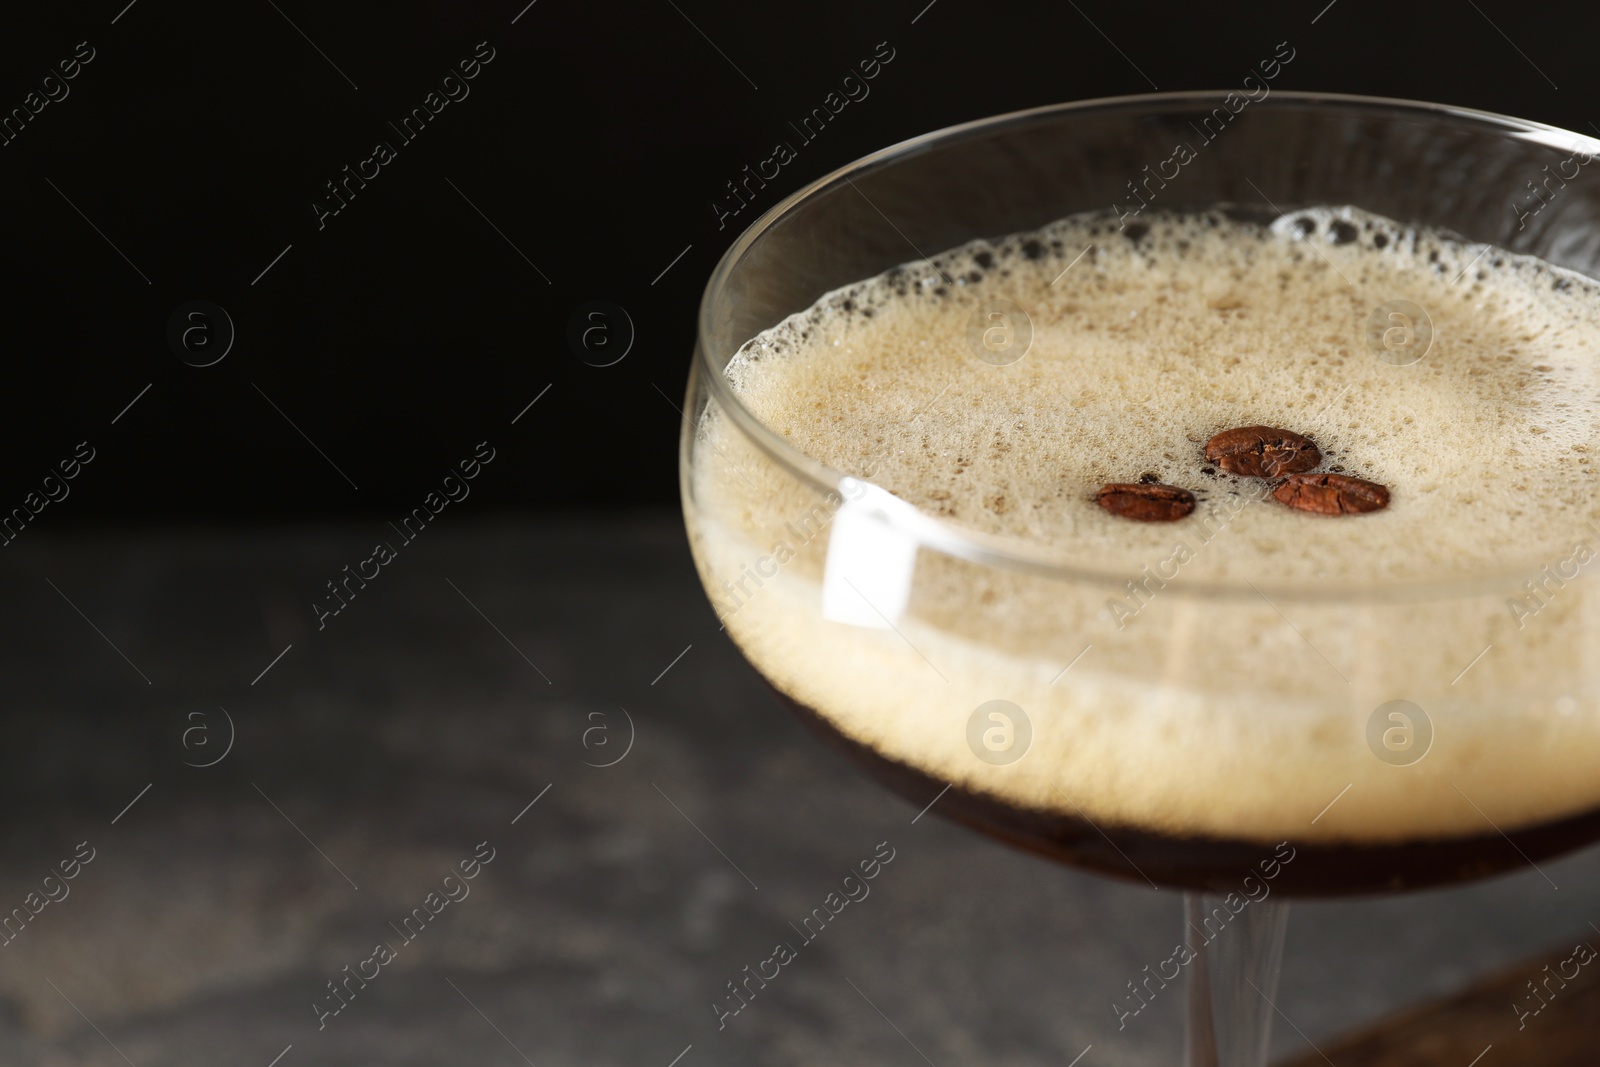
[[1331, 494], [1262, 452], [1145, 501]]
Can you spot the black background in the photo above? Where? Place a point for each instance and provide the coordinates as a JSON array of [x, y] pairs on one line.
[[407, 329]]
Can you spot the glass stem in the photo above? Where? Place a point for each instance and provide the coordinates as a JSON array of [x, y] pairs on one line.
[[1232, 978]]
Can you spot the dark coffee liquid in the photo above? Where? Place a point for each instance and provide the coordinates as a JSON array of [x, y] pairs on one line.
[[1215, 864]]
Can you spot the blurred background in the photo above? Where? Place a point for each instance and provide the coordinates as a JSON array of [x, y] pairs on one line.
[[590, 161], [268, 362]]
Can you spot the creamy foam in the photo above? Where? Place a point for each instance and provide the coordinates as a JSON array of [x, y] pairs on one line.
[[1240, 715]]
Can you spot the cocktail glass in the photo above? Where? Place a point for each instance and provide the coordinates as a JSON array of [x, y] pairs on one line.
[[991, 664]]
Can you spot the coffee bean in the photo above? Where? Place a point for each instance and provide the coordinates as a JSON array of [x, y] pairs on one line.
[[1262, 452], [1145, 501], [1331, 494]]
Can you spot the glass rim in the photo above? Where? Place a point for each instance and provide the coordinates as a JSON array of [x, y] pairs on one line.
[[1014, 553]]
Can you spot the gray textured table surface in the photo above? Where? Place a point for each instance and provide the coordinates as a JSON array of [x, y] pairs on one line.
[[381, 750]]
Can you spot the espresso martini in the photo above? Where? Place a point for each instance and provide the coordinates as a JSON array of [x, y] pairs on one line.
[[1212, 664]]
